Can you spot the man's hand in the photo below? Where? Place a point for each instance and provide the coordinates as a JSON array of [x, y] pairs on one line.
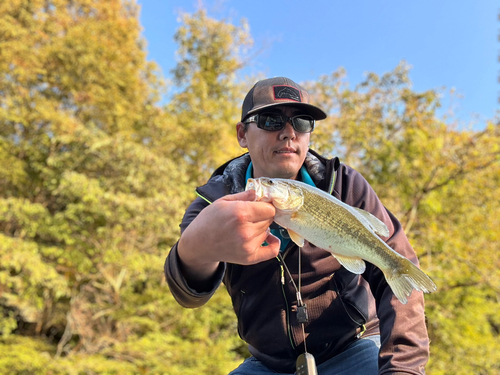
[[232, 230]]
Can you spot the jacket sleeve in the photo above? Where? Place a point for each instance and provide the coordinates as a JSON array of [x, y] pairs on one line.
[[182, 292], [404, 339]]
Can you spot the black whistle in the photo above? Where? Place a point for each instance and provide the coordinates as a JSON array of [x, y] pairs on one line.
[[302, 315]]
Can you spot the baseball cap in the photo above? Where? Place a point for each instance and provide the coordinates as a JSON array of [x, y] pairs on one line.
[[277, 91]]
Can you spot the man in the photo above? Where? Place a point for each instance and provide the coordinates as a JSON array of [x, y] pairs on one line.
[[228, 237]]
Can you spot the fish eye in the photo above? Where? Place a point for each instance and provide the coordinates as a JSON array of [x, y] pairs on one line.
[[271, 182]]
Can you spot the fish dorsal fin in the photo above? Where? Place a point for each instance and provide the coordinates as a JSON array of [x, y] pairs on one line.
[[296, 238], [372, 222], [354, 265]]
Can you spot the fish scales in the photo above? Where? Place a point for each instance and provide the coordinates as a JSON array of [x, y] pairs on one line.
[[336, 229], [349, 233]]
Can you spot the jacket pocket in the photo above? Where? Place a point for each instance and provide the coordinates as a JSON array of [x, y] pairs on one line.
[[355, 308]]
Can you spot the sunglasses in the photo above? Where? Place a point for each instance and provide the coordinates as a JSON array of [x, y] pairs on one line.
[[275, 121]]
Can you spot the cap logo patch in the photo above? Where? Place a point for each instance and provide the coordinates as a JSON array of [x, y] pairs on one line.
[[286, 92]]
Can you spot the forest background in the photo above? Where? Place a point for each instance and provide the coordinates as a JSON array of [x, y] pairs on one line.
[[96, 173]]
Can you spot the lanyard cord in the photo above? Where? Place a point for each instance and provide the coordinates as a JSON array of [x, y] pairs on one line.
[[299, 296], [300, 272], [288, 271]]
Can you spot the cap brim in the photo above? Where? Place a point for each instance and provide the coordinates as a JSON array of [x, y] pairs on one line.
[[311, 110]]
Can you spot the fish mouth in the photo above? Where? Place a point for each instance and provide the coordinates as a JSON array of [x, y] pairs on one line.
[[252, 184], [261, 194]]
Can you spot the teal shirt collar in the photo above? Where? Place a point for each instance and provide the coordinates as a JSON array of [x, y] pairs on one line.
[[304, 175]]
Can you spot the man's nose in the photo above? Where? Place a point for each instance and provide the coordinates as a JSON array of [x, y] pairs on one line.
[[288, 132]]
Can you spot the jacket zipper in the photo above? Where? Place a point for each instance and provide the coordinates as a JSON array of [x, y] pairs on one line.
[[287, 307], [331, 185]]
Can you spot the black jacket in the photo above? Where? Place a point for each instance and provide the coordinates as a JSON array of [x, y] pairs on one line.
[[340, 304]]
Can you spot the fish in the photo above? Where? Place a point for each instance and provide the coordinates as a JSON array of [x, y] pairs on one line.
[[350, 234]]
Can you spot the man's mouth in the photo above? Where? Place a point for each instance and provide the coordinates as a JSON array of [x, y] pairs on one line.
[[286, 151]]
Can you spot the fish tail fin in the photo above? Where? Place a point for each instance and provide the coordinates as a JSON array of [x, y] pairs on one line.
[[408, 277]]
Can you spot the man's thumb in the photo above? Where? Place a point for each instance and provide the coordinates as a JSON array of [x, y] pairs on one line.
[[248, 196]]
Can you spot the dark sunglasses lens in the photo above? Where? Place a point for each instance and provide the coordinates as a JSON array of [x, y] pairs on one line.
[[271, 122], [303, 124]]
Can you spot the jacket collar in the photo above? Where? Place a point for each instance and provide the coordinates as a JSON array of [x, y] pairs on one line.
[[229, 178]]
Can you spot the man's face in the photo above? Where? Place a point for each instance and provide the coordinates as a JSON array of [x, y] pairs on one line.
[[277, 154]]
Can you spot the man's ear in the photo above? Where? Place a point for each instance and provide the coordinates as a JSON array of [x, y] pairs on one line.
[[241, 134]]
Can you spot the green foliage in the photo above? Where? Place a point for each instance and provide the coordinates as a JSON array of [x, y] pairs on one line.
[[443, 184], [91, 200], [208, 59], [97, 175]]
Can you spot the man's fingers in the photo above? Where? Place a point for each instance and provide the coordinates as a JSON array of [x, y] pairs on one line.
[[248, 209], [271, 250], [273, 241]]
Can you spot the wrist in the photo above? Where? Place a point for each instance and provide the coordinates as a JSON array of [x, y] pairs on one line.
[[194, 267]]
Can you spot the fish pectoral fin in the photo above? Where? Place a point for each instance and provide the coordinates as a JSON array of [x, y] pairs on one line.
[[354, 265], [373, 222], [296, 238]]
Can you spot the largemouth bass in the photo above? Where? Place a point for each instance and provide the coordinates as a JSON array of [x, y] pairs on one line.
[[349, 233]]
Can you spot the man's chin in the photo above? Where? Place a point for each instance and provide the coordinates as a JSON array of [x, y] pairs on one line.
[[286, 170]]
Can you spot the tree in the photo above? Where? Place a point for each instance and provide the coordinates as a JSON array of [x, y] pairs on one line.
[[89, 203], [442, 183], [207, 105]]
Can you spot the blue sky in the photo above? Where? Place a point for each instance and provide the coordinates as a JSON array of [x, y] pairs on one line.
[[449, 44]]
